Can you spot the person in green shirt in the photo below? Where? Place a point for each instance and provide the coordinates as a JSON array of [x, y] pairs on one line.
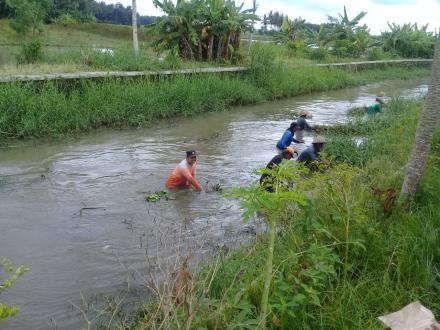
[[377, 106]]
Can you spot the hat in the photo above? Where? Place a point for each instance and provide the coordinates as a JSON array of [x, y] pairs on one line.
[[191, 153], [380, 94], [289, 150], [303, 113], [319, 139]]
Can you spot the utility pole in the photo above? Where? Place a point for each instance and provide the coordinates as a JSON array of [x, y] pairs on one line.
[[250, 35], [135, 27]]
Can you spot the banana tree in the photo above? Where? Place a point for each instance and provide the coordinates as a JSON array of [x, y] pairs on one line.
[[201, 28]]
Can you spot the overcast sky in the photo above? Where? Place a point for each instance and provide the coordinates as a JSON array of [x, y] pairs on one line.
[[379, 12]]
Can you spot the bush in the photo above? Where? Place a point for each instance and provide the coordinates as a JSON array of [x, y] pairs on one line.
[[376, 54], [65, 20], [298, 48], [319, 54], [31, 51]]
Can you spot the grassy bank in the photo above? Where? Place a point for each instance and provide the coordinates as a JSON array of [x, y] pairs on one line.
[[351, 254], [58, 108]]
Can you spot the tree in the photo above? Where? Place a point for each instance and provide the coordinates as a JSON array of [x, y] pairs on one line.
[[28, 15], [408, 40], [201, 29], [4, 10], [425, 131], [135, 28]]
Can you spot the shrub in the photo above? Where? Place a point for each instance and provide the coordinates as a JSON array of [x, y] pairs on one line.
[[319, 54], [31, 51], [65, 20], [376, 54]]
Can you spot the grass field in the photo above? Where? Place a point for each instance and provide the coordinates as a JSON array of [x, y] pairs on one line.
[[63, 44]]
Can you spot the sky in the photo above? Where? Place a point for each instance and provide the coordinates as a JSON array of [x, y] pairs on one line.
[[379, 12]]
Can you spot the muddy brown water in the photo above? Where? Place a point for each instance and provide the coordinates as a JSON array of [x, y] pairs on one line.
[[74, 211]]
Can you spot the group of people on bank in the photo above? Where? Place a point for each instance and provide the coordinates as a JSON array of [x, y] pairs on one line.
[[184, 175]]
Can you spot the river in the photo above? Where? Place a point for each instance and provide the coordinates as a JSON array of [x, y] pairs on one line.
[[74, 210]]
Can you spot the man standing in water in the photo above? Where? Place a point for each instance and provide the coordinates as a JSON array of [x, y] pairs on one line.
[[184, 175], [302, 124]]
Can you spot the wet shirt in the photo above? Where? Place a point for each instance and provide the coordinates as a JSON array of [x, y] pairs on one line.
[[302, 123], [375, 108], [286, 140], [266, 179], [184, 175], [307, 155]]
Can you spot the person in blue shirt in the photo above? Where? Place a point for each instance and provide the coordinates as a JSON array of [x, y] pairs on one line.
[[289, 137], [310, 154]]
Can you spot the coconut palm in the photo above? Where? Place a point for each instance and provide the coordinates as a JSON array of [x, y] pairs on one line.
[[425, 131]]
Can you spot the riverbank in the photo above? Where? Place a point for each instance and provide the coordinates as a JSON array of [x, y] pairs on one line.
[[56, 109], [348, 255]]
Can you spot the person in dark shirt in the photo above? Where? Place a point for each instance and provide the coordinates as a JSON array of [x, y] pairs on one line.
[[302, 124], [310, 154], [266, 180]]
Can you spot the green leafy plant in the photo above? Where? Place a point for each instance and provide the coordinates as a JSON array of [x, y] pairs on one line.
[[157, 196], [273, 206], [7, 311]]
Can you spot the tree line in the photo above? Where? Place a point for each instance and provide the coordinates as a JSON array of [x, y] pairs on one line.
[[79, 11]]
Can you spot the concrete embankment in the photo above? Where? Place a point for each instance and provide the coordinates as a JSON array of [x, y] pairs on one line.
[[127, 74]]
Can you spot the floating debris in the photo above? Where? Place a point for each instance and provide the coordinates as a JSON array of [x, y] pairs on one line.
[[156, 196]]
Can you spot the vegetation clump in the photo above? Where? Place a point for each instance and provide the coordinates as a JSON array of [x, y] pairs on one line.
[[59, 108]]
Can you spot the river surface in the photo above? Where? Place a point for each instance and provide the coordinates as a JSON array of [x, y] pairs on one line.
[[75, 212]]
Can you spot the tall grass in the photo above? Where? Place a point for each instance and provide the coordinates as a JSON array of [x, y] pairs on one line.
[[351, 255], [59, 108]]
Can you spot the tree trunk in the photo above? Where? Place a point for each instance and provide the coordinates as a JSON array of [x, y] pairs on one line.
[[219, 48], [237, 40], [210, 47], [228, 42], [200, 49], [425, 131], [135, 27]]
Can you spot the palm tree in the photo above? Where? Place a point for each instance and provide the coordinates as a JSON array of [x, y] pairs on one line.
[[425, 131]]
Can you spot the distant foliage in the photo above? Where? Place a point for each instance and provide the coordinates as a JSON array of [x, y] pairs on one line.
[[65, 20], [5, 11], [408, 40], [28, 15], [202, 29]]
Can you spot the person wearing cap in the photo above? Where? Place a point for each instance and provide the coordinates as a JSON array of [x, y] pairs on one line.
[[302, 123], [184, 175], [311, 153], [266, 180], [377, 106], [289, 137]]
